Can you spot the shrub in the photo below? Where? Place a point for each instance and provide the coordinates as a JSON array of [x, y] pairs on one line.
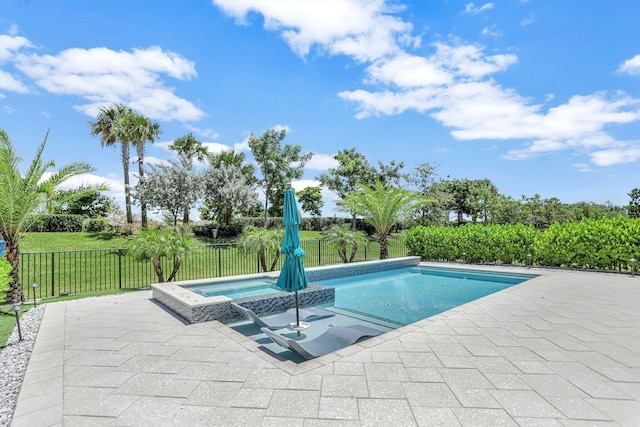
[[5, 277], [56, 223], [606, 243], [96, 225]]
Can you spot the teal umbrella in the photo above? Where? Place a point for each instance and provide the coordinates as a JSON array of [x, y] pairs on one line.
[[292, 276]]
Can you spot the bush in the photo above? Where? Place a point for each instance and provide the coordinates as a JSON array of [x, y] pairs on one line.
[[473, 243], [5, 277], [224, 232], [605, 244], [56, 223], [96, 225]]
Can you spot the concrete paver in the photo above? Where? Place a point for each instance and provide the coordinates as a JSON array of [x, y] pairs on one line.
[[559, 350]]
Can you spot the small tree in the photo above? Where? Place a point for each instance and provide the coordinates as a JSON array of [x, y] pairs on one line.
[[311, 200], [342, 238], [155, 245], [262, 241], [226, 192], [634, 203], [21, 194], [382, 207], [279, 166], [169, 188]]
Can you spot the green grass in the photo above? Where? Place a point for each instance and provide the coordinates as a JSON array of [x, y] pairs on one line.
[[45, 242], [8, 318]]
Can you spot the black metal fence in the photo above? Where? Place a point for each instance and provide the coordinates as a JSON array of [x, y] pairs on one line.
[[75, 272]]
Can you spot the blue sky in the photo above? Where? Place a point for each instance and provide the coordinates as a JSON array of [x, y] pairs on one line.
[[538, 96]]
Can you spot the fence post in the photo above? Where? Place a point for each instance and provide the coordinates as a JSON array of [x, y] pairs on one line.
[[120, 268], [319, 252], [53, 276], [219, 261]]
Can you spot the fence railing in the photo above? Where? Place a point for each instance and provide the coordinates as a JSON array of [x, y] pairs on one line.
[[81, 271]]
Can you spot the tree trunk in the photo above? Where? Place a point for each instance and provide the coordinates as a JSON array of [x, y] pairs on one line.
[[127, 190], [177, 262], [354, 251], [143, 204], [157, 267], [185, 216], [342, 252], [275, 261], [263, 261], [13, 255], [384, 251]]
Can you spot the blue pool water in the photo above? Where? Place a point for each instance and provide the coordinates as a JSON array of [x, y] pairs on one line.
[[236, 289], [408, 295]]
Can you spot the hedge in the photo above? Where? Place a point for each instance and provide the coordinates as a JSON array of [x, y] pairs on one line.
[[56, 223], [607, 243]]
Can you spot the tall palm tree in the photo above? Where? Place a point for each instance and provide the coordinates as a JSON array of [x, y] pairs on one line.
[[140, 130], [189, 148], [21, 194], [382, 206], [109, 125]]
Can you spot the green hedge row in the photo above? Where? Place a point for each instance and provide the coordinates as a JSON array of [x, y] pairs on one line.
[[307, 224], [56, 223], [604, 244]]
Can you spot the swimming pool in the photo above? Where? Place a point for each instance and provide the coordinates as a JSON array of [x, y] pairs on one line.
[[407, 295], [236, 289]]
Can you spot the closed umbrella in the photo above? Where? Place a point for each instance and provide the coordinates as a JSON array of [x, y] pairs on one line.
[[292, 276]]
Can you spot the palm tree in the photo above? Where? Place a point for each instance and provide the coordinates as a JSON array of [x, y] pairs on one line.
[[189, 148], [21, 194], [140, 130], [341, 238], [154, 245], [262, 241], [382, 206], [109, 125]]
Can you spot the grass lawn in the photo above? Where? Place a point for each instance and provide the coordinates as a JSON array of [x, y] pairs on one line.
[[8, 318], [44, 242]]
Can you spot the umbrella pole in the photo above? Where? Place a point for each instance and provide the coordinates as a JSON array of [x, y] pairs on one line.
[[297, 314]]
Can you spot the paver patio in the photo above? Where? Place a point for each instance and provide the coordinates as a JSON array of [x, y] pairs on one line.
[[559, 350]]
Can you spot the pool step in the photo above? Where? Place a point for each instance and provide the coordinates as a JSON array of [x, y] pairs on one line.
[[365, 317]]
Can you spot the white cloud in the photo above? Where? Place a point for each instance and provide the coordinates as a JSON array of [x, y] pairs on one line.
[[631, 66], [626, 153], [215, 148], [10, 45], [472, 9], [103, 76], [582, 167], [527, 21], [362, 29], [321, 162], [491, 30], [207, 133]]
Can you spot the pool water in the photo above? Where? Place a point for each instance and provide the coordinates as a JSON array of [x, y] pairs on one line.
[[236, 289], [407, 295]]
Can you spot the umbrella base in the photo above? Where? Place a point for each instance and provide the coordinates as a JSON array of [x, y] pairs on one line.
[[295, 327]]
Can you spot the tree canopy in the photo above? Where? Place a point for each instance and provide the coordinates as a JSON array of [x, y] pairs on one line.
[[278, 164]]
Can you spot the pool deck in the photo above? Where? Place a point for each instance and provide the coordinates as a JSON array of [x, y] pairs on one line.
[[562, 349]]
